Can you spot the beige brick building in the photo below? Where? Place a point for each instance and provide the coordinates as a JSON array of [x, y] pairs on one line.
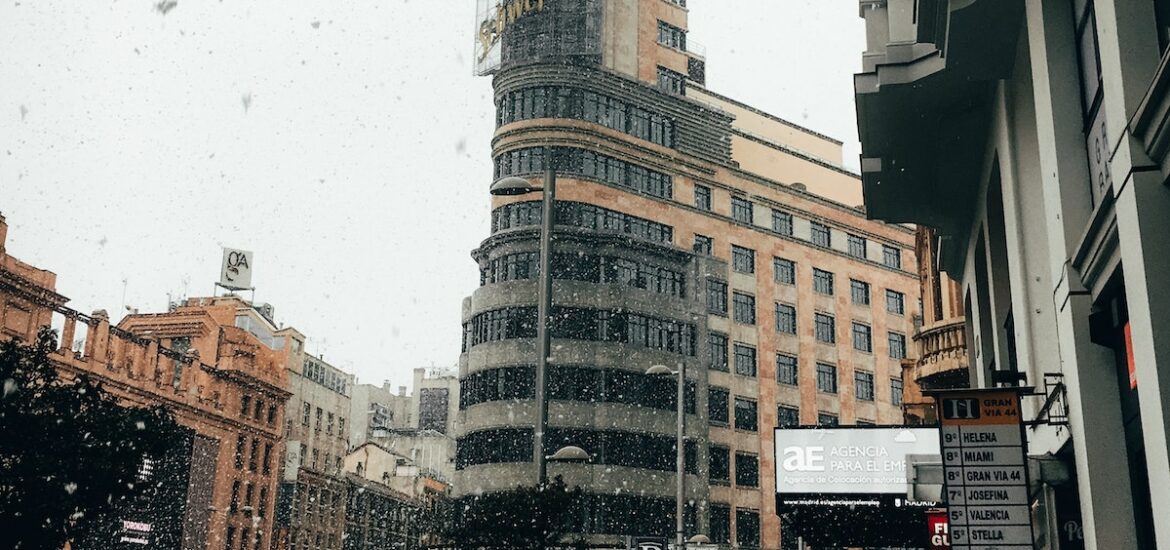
[[689, 228]]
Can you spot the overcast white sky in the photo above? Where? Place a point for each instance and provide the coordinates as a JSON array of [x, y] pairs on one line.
[[345, 143]]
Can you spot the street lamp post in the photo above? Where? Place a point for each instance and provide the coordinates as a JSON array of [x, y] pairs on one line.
[[520, 186], [680, 457]]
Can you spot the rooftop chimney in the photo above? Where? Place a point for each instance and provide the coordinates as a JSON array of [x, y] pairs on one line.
[[402, 391]]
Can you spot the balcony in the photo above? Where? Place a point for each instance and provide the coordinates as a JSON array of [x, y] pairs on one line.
[[942, 348], [924, 99]]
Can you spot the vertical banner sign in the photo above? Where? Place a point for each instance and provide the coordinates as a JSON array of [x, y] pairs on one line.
[[938, 534], [1129, 357], [985, 465]]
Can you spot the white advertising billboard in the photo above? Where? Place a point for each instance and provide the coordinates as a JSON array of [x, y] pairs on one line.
[[236, 271], [848, 460]]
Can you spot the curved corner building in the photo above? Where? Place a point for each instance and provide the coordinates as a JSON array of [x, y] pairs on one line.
[[688, 228]]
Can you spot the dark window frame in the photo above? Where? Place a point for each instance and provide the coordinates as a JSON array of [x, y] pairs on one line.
[[783, 270], [862, 337], [859, 292], [742, 210], [863, 388], [746, 422], [820, 234], [745, 360], [703, 197], [743, 308], [743, 259], [827, 378], [787, 369], [786, 322], [825, 328], [823, 281]]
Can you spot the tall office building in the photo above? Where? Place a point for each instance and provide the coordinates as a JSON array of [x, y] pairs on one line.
[[689, 228]]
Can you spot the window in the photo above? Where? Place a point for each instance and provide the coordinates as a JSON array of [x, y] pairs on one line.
[[747, 470], [820, 234], [785, 271], [245, 406], [827, 419], [895, 302], [720, 524], [745, 415], [785, 319], [747, 528], [786, 369], [240, 444], [782, 222], [267, 458], [717, 297], [826, 378], [826, 328], [743, 260], [703, 197], [897, 346], [823, 281], [859, 290], [891, 256], [896, 391], [672, 36], [254, 455], [306, 412], [741, 210], [856, 246], [671, 82], [271, 415], [787, 417], [493, 446], [341, 425], [863, 385], [862, 340], [329, 423], [718, 405], [258, 410], [745, 308], [234, 503], [719, 464], [702, 245], [745, 360], [577, 214], [320, 414], [717, 350]]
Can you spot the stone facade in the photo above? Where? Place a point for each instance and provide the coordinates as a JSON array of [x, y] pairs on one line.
[[316, 444], [687, 226]]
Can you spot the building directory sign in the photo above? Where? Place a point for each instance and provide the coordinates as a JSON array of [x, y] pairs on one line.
[[985, 469]]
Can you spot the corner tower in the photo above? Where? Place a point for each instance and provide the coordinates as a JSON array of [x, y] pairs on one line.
[[689, 228]]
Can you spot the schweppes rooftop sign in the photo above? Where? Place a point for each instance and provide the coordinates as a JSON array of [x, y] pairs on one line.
[[493, 20]]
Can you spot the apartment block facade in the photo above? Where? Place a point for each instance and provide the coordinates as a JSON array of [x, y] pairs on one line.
[[312, 490], [223, 383], [689, 228]]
